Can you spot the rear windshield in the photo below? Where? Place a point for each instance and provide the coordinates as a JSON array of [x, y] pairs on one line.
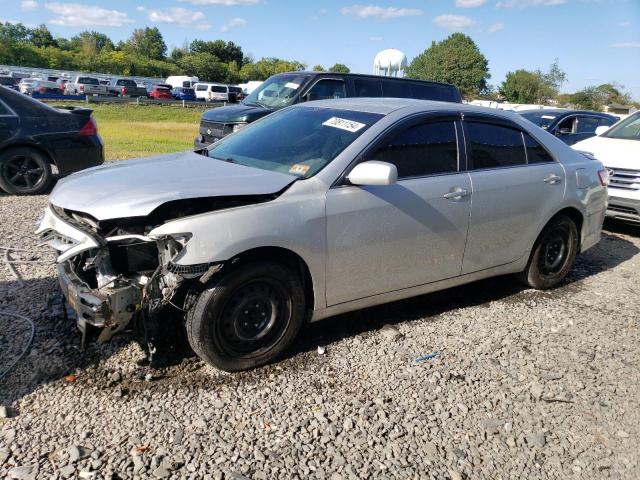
[[88, 81], [235, 89], [126, 83], [218, 89], [298, 141], [7, 81], [24, 105]]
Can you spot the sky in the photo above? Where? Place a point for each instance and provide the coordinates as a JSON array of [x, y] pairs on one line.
[[595, 41]]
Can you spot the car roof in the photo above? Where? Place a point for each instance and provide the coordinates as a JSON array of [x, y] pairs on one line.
[[363, 75], [385, 106]]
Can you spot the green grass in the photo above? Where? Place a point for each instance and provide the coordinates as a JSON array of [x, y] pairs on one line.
[[130, 130]]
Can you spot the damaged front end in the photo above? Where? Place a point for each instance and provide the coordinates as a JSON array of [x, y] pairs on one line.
[[114, 273]]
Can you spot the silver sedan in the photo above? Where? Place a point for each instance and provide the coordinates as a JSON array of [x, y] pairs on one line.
[[315, 210]]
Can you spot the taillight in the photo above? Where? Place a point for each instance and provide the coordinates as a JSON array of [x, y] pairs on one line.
[[603, 175], [81, 88], [90, 128], [123, 91], [42, 90]]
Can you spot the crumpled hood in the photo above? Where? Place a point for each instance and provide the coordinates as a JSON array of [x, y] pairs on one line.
[[235, 114], [613, 152], [134, 188]]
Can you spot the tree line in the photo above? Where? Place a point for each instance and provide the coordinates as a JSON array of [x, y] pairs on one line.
[[456, 59], [144, 53]]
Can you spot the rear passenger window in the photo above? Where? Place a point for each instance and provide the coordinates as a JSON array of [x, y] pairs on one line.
[[494, 146], [367, 87], [536, 153], [606, 122], [432, 92], [426, 149], [396, 89]]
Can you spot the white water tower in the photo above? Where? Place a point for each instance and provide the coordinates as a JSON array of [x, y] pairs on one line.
[[390, 63]]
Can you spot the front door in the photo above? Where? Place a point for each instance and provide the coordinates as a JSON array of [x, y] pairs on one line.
[[386, 238]]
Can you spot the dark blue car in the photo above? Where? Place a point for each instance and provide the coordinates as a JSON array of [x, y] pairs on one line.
[[183, 93], [570, 126]]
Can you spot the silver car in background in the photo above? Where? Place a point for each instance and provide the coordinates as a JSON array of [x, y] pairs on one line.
[[318, 209]]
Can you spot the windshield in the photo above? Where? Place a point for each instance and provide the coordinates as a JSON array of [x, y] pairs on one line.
[[541, 118], [277, 91], [299, 141], [627, 129], [88, 81]]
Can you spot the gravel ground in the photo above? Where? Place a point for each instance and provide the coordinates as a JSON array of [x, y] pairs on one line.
[[525, 385]]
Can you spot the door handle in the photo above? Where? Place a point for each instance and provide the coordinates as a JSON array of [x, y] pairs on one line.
[[552, 179], [456, 193]]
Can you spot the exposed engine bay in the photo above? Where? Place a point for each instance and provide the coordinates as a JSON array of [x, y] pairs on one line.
[[116, 274]]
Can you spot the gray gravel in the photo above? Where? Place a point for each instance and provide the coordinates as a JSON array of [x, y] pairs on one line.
[[525, 385]]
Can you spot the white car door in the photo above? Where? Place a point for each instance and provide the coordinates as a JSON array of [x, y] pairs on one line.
[[386, 238]]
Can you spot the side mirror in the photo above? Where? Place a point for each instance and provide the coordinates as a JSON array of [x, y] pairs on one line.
[[601, 129], [373, 172]]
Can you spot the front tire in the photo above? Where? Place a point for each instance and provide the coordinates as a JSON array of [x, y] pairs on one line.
[[247, 317], [553, 254], [24, 171]]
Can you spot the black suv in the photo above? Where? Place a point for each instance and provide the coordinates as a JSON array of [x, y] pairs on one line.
[[286, 89]]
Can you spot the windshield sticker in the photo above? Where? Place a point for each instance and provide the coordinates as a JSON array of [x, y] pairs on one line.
[[299, 169], [548, 117], [344, 124], [292, 85]]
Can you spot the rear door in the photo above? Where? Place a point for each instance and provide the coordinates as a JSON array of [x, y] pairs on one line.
[[516, 183], [386, 238]]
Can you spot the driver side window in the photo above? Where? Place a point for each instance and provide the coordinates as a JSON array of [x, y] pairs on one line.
[[566, 126], [421, 150], [327, 89]]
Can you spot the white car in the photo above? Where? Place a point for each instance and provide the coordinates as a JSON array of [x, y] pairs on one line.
[[25, 84], [212, 92], [618, 148]]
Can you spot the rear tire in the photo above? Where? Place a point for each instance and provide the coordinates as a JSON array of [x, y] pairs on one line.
[[553, 254], [24, 171], [247, 317]]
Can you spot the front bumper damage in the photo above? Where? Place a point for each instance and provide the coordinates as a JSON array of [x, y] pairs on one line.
[[112, 280]]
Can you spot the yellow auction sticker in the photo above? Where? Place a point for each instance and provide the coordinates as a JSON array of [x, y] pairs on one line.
[[299, 169]]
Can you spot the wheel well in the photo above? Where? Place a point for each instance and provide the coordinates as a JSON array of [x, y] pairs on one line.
[[34, 147], [575, 215], [286, 257]]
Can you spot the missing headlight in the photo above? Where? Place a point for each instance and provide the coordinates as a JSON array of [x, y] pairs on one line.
[[136, 257]]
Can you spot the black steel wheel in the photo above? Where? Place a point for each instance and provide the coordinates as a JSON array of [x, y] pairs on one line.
[[247, 317], [553, 254], [24, 171]]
